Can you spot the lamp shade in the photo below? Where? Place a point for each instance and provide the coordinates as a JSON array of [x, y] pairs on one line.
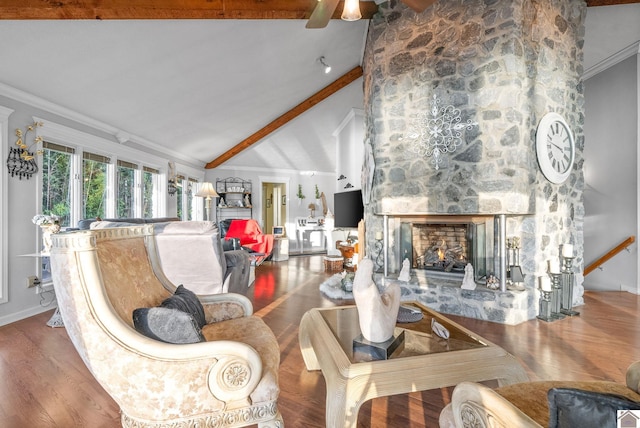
[[207, 191], [351, 11]]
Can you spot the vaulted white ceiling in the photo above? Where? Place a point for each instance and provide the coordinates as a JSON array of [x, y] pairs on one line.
[[196, 88]]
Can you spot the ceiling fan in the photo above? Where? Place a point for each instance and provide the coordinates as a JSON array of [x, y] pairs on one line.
[[325, 8]]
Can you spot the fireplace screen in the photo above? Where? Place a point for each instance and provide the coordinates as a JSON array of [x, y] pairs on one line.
[[441, 247], [448, 247]]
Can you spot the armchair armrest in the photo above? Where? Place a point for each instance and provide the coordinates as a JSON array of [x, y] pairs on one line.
[[633, 376], [472, 401], [225, 306]]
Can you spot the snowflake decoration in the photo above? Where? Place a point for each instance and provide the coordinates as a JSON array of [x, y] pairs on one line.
[[438, 131]]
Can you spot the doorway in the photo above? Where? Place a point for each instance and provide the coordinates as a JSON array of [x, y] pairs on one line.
[[274, 204]]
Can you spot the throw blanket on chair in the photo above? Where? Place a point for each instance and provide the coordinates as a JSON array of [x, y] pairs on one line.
[[251, 236]]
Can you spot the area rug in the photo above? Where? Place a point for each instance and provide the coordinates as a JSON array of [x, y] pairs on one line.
[[332, 288]]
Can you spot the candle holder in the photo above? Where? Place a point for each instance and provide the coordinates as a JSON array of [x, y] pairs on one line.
[[556, 296], [567, 282], [545, 306]]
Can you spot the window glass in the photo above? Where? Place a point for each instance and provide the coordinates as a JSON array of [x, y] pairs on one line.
[[56, 181], [94, 185], [191, 186], [149, 186], [125, 197], [180, 197]]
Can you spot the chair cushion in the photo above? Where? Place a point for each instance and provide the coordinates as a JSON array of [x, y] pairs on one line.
[[179, 319], [570, 408], [167, 325]]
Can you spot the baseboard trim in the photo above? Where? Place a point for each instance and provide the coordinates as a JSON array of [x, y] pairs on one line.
[[26, 313]]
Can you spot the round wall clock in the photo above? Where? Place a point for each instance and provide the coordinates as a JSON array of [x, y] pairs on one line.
[[555, 148]]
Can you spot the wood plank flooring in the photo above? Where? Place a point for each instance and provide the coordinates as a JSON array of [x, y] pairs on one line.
[[46, 384]]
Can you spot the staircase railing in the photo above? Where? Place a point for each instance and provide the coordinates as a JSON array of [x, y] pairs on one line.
[[602, 260]]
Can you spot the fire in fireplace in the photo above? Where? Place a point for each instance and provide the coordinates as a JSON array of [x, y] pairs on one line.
[[440, 247], [447, 244]]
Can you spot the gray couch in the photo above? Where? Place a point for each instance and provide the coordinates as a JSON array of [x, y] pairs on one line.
[[191, 254]]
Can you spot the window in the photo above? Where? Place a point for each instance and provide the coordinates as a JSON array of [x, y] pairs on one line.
[[180, 197], [149, 186], [191, 201], [94, 185], [126, 186], [56, 181]]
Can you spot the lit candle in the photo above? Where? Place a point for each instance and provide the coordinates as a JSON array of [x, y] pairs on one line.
[[567, 250], [544, 283], [554, 266], [378, 236]]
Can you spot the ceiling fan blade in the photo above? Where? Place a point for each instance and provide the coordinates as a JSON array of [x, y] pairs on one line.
[[418, 6], [322, 14]]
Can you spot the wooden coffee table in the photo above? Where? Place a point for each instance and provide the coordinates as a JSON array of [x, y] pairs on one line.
[[425, 362]]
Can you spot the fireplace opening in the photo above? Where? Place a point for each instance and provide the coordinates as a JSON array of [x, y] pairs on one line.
[[445, 247], [440, 247]]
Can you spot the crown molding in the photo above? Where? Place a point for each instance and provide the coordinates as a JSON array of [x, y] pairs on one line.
[[119, 135], [629, 51]]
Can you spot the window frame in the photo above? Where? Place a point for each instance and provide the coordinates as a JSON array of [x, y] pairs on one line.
[[81, 141]]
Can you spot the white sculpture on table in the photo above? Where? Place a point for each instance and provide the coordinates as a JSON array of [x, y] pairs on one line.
[[468, 283], [405, 274], [377, 313]]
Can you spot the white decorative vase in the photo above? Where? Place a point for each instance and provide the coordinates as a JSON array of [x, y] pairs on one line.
[[47, 231]]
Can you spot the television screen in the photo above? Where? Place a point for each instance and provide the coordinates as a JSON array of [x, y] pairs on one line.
[[348, 208]]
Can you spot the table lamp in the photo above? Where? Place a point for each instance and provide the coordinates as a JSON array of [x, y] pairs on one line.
[[207, 191]]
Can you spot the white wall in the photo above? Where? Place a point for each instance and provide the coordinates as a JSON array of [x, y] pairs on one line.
[[611, 174], [350, 150]]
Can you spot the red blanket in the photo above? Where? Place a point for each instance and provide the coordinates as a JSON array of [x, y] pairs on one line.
[[250, 236]]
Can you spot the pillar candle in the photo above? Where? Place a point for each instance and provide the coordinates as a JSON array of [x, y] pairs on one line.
[[379, 236], [567, 250], [544, 283], [554, 266]]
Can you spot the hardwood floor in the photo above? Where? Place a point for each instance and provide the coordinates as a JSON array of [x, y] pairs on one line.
[[46, 384]]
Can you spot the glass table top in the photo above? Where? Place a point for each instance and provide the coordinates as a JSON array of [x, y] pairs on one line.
[[418, 336]]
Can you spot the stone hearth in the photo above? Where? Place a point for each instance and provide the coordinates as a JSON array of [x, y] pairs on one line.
[[446, 296]]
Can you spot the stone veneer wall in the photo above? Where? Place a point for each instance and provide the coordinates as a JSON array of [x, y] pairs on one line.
[[504, 64]]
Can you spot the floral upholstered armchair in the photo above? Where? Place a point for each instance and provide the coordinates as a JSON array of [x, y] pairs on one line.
[[229, 379], [552, 403]]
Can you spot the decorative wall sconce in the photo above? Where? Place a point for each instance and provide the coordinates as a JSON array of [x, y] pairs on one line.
[[21, 160], [437, 131]]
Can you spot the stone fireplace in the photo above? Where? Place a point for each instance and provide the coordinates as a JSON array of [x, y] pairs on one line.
[[499, 66]]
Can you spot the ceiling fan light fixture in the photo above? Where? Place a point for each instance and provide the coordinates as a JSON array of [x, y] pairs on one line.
[[351, 11], [326, 67]]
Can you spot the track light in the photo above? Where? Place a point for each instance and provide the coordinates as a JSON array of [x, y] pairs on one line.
[[351, 11], [327, 67]]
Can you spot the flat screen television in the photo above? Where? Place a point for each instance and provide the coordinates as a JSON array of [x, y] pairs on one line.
[[348, 209]]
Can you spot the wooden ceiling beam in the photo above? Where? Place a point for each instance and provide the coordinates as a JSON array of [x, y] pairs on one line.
[[168, 9], [592, 3], [288, 116]]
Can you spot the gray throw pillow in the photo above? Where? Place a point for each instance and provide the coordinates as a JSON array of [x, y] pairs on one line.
[[186, 301], [167, 325], [179, 319], [572, 408]]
